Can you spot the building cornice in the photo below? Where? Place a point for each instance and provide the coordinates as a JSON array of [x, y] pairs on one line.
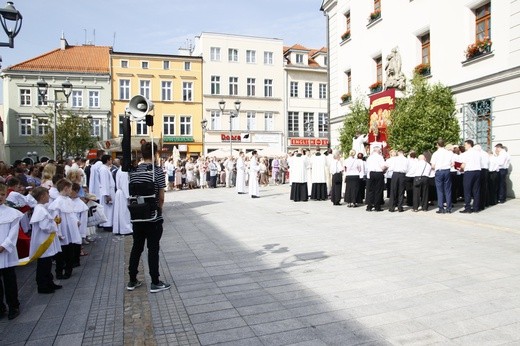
[[491, 79]]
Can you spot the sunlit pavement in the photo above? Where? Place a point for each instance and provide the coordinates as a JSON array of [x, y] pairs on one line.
[[271, 271]]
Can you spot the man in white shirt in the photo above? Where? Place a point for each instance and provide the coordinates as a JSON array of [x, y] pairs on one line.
[[376, 180], [471, 182], [441, 162], [503, 160], [399, 166], [484, 177]]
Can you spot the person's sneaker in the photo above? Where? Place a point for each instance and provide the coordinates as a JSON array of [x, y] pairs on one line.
[[132, 285], [161, 286]]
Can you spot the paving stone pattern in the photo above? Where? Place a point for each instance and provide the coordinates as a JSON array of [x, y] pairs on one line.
[[269, 271]]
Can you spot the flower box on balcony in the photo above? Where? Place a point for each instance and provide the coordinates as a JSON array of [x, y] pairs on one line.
[[376, 87], [346, 98], [345, 36], [374, 16], [481, 47], [423, 69]]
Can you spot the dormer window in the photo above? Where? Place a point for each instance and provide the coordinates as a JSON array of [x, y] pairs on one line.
[[299, 59]]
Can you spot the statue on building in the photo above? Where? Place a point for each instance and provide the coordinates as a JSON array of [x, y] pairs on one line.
[[394, 77]]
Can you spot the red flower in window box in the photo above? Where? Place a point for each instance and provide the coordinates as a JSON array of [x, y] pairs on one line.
[[478, 48], [422, 69], [346, 97], [374, 15], [376, 87]]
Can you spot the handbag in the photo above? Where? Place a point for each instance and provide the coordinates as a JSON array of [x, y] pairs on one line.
[[96, 214], [417, 181]]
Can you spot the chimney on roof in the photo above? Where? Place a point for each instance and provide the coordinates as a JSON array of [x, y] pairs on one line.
[[63, 42]]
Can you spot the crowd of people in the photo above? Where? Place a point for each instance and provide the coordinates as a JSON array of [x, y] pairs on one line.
[[451, 174], [50, 210]]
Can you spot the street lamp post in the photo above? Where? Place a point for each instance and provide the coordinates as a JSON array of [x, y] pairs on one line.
[[66, 89], [222, 106], [308, 131], [10, 14], [203, 124]]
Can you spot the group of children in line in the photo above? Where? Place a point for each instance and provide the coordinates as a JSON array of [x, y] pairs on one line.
[[57, 226]]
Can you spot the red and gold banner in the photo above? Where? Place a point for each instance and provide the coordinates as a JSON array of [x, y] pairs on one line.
[[381, 105]]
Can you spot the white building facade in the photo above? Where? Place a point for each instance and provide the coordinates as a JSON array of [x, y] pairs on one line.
[[246, 69], [306, 98], [472, 46]]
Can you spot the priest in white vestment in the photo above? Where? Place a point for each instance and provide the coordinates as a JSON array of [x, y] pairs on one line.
[[107, 191], [319, 179], [254, 168], [241, 175], [298, 175]]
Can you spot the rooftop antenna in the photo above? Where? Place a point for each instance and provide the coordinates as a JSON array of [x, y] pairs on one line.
[[188, 46], [85, 31], [114, 40], [94, 38]]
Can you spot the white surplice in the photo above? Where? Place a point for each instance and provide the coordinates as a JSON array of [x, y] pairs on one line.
[[81, 210], [318, 163], [93, 186], [42, 226], [241, 176], [68, 228], [9, 224], [254, 168], [122, 223], [107, 187]]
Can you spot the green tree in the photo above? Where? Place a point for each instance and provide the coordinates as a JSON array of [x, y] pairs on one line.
[[73, 135], [425, 114], [356, 120]]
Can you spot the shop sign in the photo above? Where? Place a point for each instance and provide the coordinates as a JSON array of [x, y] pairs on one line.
[[234, 138], [308, 141], [170, 139]]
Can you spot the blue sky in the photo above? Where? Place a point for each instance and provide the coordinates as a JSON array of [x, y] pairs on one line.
[[159, 26]]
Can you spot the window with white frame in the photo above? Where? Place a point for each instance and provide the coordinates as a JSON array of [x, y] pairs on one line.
[[25, 128], [187, 66], [77, 98], [124, 89], [215, 85], [299, 59], [233, 86], [144, 65], [323, 125], [166, 65], [43, 101], [308, 90], [187, 91], [251, 82], [93, 99], [293, 123], [215, 53], [166, 90], [124, 63], [268, 58], [42, 127], [215, 120], [268, 87], [25, 97], [251, 121], [308, 122], [185, 122], [120, 123], [251, 56], [141, 128], [169, 125], [268, 121], [144, 88], [233, 55], [294, 89], [95, 129], [323, 91]]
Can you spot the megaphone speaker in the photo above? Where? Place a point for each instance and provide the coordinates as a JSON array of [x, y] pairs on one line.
[[139, 107]]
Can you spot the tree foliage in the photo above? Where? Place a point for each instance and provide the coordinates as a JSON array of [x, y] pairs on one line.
[[73, 135], [356, 120], [422, 116]]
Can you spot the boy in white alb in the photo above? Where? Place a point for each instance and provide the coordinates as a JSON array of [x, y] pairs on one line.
[[42, 226]]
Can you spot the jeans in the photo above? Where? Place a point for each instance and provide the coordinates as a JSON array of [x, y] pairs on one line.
[[443, 185], [151, 233]]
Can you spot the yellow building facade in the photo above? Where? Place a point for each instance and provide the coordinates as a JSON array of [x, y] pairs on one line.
[[173, 83]]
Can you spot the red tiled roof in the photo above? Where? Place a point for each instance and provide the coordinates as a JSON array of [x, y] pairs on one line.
[[311, 53], [86, 59]]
